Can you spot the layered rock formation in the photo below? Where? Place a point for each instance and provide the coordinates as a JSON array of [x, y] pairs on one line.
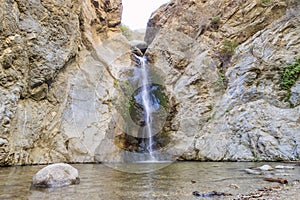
[[56, 78], [223, 63]]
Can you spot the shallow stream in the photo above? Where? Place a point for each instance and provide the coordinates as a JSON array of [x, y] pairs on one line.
[[175, 181]]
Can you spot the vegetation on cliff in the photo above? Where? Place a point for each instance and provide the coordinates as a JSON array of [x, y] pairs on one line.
[[289, 74]]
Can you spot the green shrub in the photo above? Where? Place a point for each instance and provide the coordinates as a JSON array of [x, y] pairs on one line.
[[210, 106], [221, 83], [215, 22], [289, 75], [228, 47]]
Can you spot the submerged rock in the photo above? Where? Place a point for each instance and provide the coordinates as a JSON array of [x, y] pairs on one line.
[[284, 167], [277, 180], [252, 171], [266, 168], [56, 175], [210, 194]]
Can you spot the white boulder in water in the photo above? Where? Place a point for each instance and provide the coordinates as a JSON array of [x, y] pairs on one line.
[[266, 168], [56, 175], [251, 171]]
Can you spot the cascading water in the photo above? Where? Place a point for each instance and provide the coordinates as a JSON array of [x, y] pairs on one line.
[[146, 103], [150, 104]]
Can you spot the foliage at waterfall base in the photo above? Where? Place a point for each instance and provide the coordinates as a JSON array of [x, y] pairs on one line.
[[289, 75]]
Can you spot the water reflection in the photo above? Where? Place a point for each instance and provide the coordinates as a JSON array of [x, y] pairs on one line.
[[13, 182], [176, 181], [139, 167]]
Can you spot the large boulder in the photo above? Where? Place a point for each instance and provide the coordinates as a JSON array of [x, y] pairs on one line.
[[142, 45], [56, 175]]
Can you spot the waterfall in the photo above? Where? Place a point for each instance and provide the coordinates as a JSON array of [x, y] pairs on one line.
[[150, 104], [146, 103], [142, 111]]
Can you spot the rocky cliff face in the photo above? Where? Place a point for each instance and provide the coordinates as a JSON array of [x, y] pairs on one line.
[[56, 78], [223, 63]]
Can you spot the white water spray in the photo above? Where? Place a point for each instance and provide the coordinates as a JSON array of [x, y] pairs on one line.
[[147, 104]]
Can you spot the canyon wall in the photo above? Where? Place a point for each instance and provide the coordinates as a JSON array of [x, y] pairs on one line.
[[57, 78], [224, 65]]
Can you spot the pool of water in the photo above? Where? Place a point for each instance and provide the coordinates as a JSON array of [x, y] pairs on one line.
[[173, 181]]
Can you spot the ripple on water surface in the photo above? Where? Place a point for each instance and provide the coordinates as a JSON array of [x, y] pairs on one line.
[[174, 181]]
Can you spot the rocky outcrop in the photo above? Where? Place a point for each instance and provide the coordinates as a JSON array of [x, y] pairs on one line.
[[56, 77], [56, 175], [222, 63]]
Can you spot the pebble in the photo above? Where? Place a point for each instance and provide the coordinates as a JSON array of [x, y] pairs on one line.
[[234, 186]]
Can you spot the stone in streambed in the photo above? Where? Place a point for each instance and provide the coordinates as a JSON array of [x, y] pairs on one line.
[[284, 167], [56, 175], [266, 168], [210, 194], [251, 171]]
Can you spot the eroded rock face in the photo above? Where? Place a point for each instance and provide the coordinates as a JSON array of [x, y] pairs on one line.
[[222, 61], [56, 77]]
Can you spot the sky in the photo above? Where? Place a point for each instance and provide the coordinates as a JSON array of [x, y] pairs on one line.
[[137, 12]]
